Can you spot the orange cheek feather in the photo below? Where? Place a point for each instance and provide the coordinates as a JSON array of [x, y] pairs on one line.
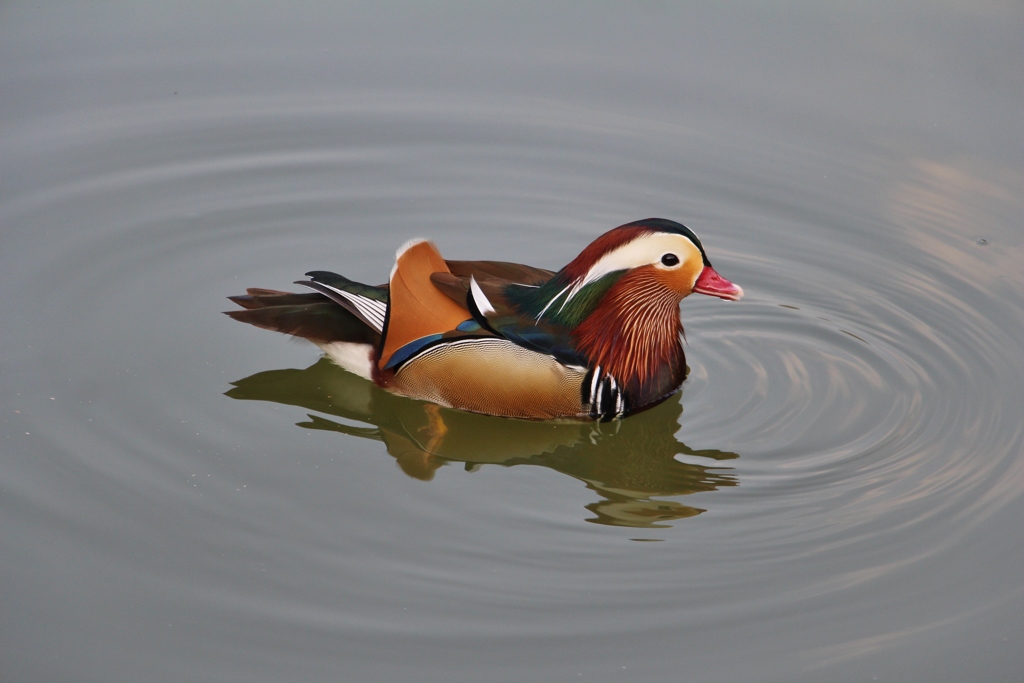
[[681, 280]]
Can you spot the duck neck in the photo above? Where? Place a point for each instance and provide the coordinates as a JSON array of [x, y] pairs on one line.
[[634, 334]]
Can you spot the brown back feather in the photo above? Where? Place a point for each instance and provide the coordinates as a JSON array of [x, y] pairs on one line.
[[502, 270]]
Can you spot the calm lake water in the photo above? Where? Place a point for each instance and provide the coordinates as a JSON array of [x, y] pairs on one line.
[[837, 494]]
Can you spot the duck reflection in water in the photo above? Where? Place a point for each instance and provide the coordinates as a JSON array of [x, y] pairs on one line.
[[630, 463]]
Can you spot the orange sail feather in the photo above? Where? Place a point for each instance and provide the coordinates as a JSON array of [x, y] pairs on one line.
[[417, 308]]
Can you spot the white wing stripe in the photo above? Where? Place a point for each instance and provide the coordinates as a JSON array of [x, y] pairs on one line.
[[371, 309], [479, 298]]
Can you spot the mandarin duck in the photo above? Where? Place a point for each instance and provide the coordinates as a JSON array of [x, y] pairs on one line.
[[598, 340]]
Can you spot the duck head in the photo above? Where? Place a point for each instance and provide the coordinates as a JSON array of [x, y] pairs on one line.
[[620, 300], [665, 254]]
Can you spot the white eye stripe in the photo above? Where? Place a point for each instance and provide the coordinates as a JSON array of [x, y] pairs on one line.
[[644, 250]]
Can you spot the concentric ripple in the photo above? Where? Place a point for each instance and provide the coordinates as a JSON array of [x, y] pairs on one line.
[[850, 421], [845, 364]]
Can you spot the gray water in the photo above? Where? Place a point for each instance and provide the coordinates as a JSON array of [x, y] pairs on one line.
[[836, 494]]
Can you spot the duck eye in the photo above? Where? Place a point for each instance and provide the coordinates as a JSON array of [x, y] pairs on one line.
[[670, 260]]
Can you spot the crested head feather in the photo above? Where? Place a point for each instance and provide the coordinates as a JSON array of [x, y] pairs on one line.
[[574, 292], [621, 236]]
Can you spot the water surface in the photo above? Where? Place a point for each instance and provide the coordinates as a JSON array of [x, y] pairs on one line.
[[836, 493]]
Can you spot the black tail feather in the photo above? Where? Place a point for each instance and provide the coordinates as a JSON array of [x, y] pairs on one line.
[[321, 321], [256, 297], [366, 302]]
